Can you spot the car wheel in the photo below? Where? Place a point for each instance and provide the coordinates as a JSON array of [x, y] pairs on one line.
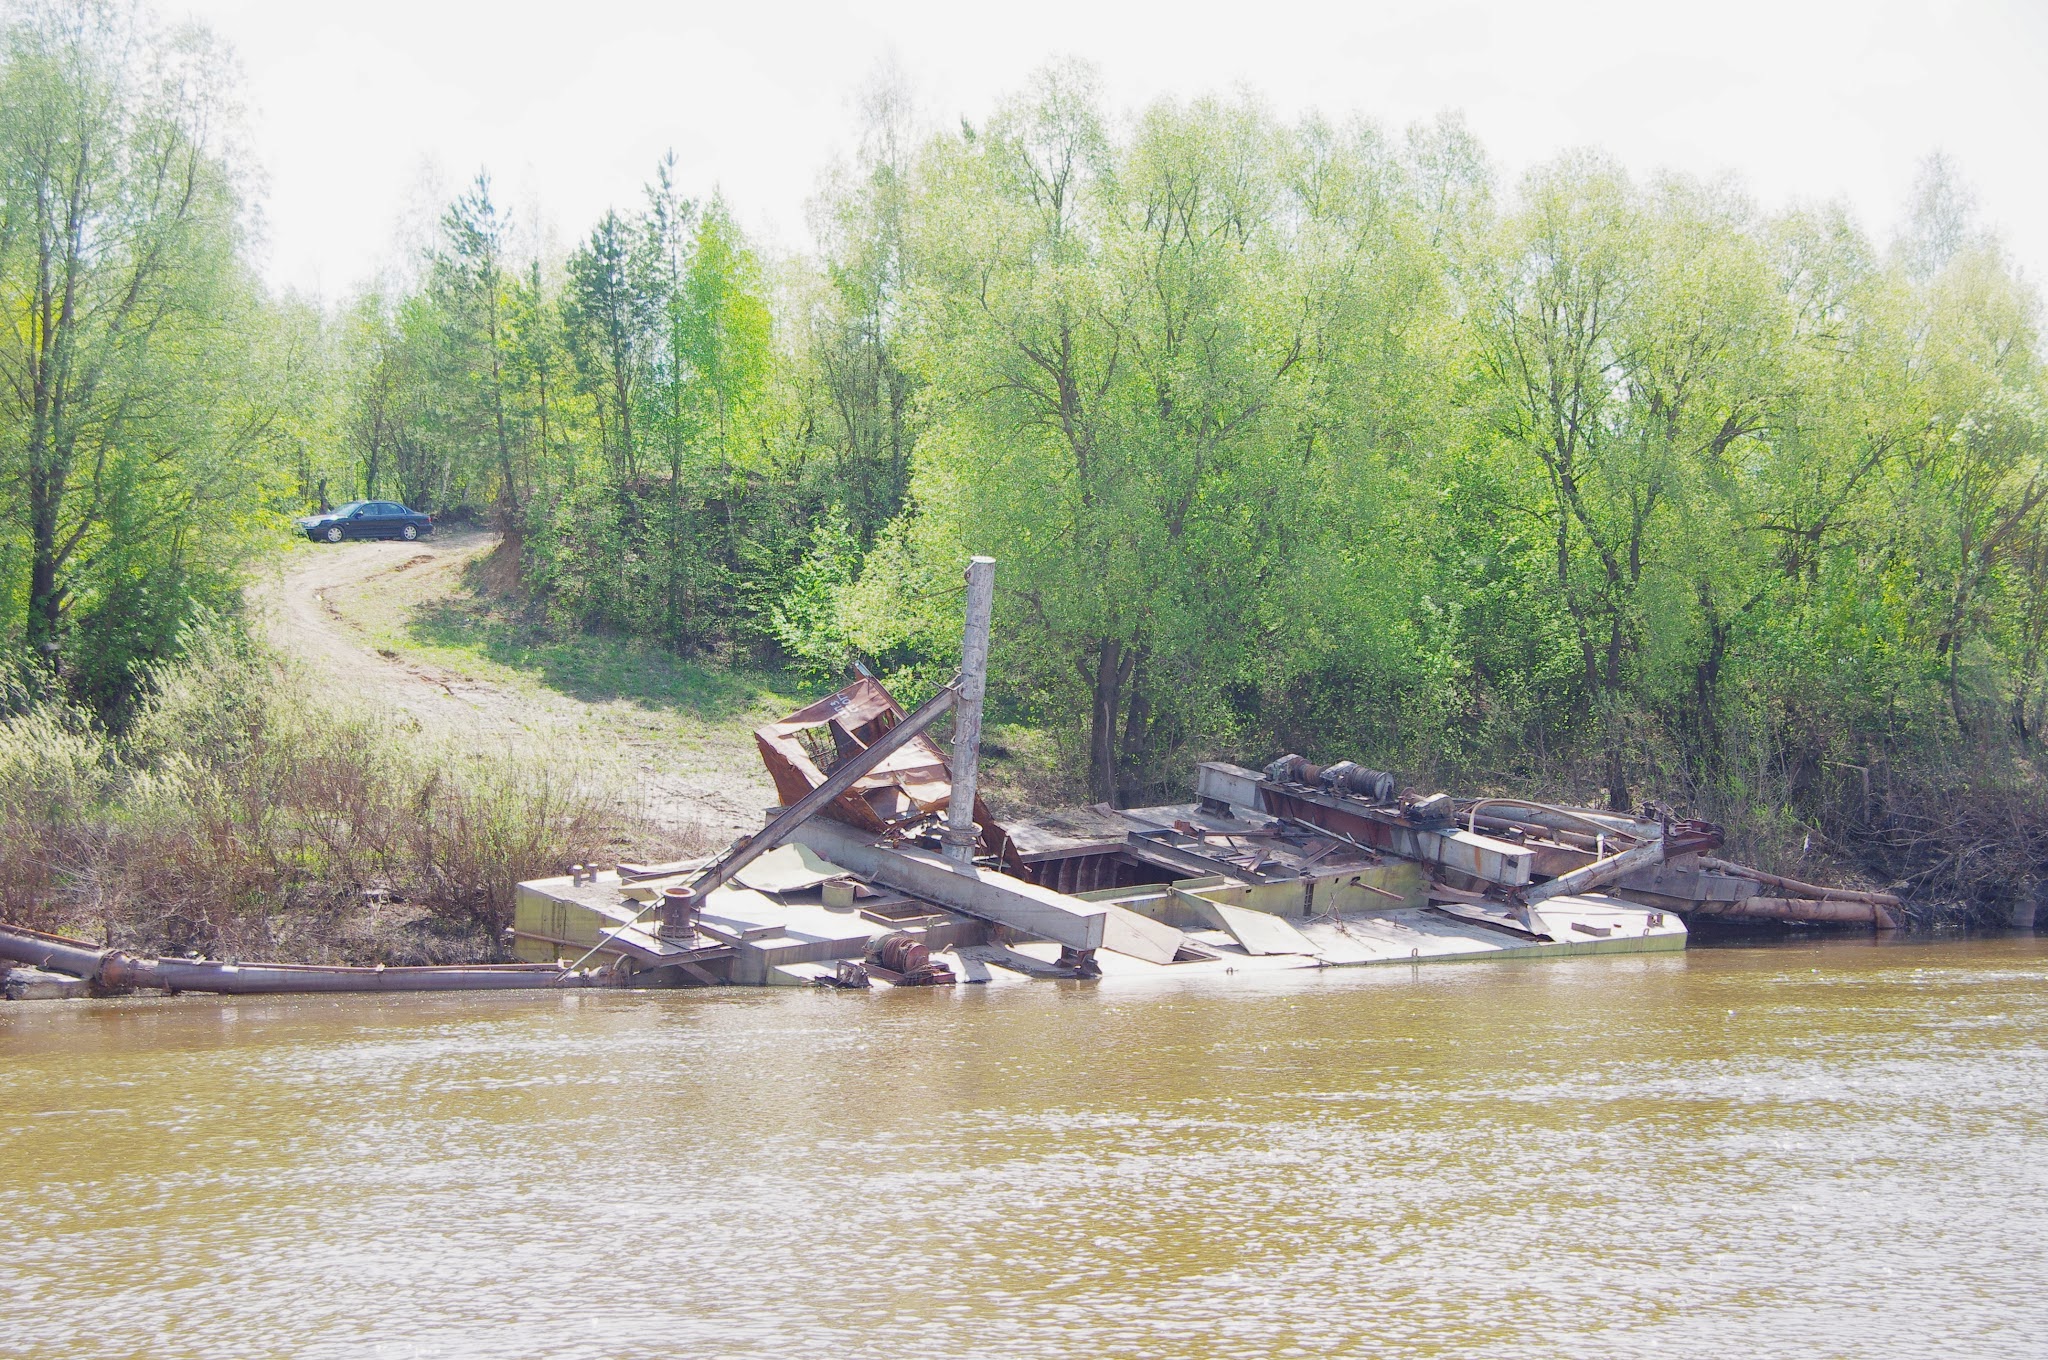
[[333, 534], [410, 532]]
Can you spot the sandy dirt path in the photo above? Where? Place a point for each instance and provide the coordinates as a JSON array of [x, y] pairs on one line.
[[344, 611]]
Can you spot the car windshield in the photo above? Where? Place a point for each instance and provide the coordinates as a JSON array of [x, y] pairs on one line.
[[350, 508]]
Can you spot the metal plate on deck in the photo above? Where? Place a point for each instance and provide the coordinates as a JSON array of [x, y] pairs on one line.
[[1260, 932], [793, 867]]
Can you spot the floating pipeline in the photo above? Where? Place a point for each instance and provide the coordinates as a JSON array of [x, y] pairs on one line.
[[113, 970]]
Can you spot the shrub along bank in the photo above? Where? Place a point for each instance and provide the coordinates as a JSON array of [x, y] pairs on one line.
[[241, 815]]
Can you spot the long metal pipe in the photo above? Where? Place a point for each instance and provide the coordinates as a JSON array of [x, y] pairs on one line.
[[113, 968], [1599, 872], [184, 975], [1549, 815], [50, 952], [1487, 822], [1793, 885]]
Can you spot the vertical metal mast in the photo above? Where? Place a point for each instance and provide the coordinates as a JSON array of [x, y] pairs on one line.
[[959, 836]]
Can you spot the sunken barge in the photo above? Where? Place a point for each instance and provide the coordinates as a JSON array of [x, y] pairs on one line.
[[1292, 866]]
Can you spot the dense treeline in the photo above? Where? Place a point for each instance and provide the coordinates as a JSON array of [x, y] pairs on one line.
[[1303, 436], [1284, 436]]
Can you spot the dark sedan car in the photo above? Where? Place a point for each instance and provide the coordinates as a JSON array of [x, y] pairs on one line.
[[366, 519]]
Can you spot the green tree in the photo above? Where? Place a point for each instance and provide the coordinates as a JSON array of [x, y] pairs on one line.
[[127, 314], [606, 317], [860, 400], [467, 283], [1118, 341]]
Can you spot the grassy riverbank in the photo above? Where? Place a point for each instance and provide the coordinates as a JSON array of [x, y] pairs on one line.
[[249, 811]]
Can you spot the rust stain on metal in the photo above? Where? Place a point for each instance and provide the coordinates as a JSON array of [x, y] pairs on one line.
[[909, 787]]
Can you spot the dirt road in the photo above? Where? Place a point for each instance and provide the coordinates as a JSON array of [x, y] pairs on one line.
[[351, 613]]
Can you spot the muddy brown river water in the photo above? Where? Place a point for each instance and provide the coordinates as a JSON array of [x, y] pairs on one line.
[[1796, 1150]]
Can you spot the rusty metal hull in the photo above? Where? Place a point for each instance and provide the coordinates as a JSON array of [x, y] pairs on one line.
[[1476, 856], [1799, 911]]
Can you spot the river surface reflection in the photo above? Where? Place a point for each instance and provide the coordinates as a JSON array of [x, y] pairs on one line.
[[1831, 1149]]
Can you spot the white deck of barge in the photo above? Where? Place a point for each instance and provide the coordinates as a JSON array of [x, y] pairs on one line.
[[789, 938]]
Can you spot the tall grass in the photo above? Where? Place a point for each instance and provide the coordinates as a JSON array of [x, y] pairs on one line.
[[244, 814]]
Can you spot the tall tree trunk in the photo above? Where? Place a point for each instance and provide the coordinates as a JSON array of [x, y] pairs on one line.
[[48, 467], [1135, 756], [1112, 668], [623, 395], [508, 490], [373, 466], [675, 545], [1706, 688], [541, 473], [45, 596], [1617, 763], [1617, 771]]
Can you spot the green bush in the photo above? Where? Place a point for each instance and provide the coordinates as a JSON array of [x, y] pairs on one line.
[[243, 814]]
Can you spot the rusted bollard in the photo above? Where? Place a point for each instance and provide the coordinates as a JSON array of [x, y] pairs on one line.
[[679, 915]]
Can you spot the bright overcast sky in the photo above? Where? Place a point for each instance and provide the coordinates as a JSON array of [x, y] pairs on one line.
[[357, 109]]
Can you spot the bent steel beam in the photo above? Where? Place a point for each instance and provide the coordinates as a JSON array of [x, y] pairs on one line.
[[678, 905], [987, 895]]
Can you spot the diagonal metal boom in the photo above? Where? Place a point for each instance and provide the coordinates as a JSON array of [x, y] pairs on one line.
[[843, 777]]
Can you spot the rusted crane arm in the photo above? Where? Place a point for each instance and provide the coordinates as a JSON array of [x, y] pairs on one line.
[[843, 777]]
